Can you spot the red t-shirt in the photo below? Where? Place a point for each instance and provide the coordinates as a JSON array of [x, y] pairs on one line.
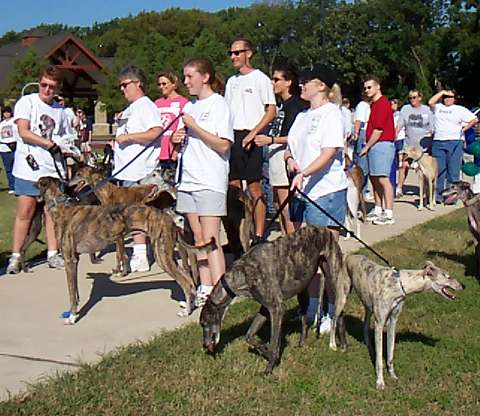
[[381, 118]]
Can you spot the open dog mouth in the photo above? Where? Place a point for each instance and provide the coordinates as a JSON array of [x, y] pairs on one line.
[[451, 198], [447, 294]]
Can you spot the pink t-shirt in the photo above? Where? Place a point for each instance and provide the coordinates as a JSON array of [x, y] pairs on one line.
[[169, 109]]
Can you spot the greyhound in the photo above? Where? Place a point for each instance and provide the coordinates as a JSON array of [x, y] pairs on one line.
[[427, 169], [461, 190], [84, 229], [271, 273], [383, 290], [355, 199]]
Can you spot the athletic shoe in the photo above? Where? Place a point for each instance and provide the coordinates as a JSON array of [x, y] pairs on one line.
[[13, 265], [398, 193], [325, 325], [56, 261], [372, 216], [383, 220], [139, 264]]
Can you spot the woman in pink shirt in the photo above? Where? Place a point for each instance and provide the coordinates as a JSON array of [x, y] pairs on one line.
[[170, 106]]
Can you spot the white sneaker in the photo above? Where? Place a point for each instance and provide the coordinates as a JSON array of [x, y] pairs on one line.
[[14, 265], [398, 192], [383, 220], [11, 192], [372, 216], [325, 325], [56, 261], [139, 264]]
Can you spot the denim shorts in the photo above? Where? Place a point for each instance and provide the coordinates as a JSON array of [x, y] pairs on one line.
[[380, 158], [205, 203], [335, 204], [399, 145], [24, 187]]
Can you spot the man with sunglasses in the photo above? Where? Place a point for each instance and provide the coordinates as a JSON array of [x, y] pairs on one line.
[[380, 151], [40, 120], [417, 119], [249, 94], [451, 122]]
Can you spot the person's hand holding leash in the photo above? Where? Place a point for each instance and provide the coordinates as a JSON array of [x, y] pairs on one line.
[[178, 137], [54, 150], [189, 121], [297, 182], [364, 151]]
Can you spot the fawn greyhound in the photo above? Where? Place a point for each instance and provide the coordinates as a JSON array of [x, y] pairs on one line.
[[383, 290]]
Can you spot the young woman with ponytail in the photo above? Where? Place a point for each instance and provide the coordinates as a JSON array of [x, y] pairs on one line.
[[202, 173]]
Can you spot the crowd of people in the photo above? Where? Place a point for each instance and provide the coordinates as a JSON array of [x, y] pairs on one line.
[[221, 137]]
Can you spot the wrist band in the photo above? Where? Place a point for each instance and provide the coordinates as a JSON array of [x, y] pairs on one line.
[[273, 139], [288, 157]]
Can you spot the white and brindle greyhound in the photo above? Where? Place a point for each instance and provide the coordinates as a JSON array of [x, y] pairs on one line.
[[382, 291]]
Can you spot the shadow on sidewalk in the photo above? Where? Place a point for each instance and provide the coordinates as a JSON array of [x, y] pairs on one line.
[[103, 287]]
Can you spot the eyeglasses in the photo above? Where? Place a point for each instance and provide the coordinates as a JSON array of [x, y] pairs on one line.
[[368, 87], [275, 79], [448, 96], [125, 84], [413, 97], [46, 85], [162, 84], [237, 52]]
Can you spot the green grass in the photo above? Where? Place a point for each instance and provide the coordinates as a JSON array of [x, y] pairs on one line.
[[437, 358]]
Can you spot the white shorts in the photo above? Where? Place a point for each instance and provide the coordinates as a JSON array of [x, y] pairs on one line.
[[205, 203], [277, 172]]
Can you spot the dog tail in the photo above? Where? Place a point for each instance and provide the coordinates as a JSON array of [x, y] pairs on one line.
[[204, 249]]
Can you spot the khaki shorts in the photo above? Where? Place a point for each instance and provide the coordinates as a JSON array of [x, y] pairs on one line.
[[277, 171]]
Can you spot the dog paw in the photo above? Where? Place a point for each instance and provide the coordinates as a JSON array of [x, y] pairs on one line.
[[420, 208], [380, 385], [183, 313]]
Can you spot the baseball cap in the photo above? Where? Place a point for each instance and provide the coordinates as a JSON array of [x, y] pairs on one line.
[[321, 72]]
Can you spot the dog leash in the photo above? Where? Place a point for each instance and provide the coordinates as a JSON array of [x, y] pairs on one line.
[[103, 182], [344, 228]]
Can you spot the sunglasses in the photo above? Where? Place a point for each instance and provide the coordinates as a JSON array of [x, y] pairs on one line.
[[237, 52], [368, 87], [275, 79], [413, 97], [125, 84], [162, 84], [448, 96], [46, 85]]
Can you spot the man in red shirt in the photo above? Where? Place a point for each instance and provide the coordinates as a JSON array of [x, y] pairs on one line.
[[380, 151]]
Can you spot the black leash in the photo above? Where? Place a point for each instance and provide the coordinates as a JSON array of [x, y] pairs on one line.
[[277, 214], [344, 228], [103, 182]]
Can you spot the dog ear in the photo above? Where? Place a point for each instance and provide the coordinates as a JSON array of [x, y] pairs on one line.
[[429, 268]]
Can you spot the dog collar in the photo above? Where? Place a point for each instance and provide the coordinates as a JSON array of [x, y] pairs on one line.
[[59, 200], [396, 274]]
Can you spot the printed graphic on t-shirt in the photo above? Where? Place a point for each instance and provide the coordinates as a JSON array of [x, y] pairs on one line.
[[277, 124], [313, 125], [417, 120], [7, 132], [167, 115], [46, 126], [249, 90]]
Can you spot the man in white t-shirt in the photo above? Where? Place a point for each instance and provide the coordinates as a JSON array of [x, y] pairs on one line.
[[451, 121], [360, 122], [250, 97], [41, 123]]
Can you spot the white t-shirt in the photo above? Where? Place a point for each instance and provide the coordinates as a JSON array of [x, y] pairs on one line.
[[138, 117], [346, 122], [46, 121], [247, 95], [201, 166], [449, 121], [362, 113], [401, 133], [8, 134], [311, 131], [70, 119]]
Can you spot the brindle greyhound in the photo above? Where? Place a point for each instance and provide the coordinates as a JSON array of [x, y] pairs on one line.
[[383, 290], [271, 273], [462, 191], [85, 229]]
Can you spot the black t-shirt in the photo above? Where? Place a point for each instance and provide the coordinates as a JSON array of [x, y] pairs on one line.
[[286, 115]]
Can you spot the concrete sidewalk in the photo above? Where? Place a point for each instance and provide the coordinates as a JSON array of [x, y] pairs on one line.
[[34, 342]]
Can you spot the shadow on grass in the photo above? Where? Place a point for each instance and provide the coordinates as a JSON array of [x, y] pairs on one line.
[[468, 261], [104, 287]]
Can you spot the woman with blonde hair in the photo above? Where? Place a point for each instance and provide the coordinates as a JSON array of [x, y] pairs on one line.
[[202, 173], [315, 159]]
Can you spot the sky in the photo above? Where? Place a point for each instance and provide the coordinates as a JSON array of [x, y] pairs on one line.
[[19, 15]]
